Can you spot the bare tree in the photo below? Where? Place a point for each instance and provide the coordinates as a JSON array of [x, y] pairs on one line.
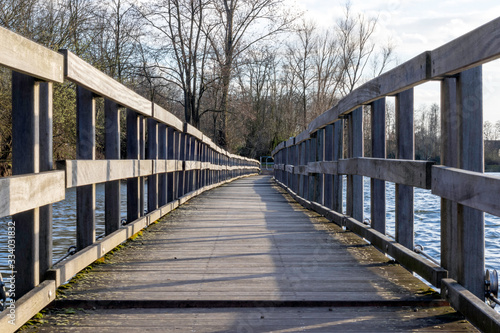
[[236, 26], [183, 47], [356, 47], [300, 59]]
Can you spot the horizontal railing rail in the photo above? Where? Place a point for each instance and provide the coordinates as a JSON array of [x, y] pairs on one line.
[[177, 159], [311, 166]]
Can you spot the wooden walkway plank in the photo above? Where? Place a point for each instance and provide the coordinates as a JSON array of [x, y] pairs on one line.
[[247, 254]]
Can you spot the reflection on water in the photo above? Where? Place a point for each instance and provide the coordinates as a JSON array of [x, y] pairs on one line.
[[427, 222]]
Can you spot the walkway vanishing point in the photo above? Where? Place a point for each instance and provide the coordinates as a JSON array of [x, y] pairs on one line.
[[245, 257]]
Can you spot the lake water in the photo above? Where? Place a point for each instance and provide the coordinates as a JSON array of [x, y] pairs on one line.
[[427, 223]]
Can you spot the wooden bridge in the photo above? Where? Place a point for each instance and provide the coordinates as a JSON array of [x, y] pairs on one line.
[[245, 257]]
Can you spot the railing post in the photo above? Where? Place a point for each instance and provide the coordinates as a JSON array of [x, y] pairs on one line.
[[182, 157], [133, 192], [311, 157], [354, 196], [171, 155], [338, 153], [471, 221], [152, 154], [449, 157], [192, 157], [405, 149], [319, 178], [377, 196], [142, 156], [46, 164], [162, 155], [296, 162], [25, 159], [85, 150], [328, 179], [112, 152], [303, 162]]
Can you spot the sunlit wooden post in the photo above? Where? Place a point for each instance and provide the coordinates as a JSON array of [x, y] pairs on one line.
[[320, 153], [470, 222], [162, 155], [152, 154], [311, 152], [112, 152], [133, 191], [25, 160], [449, 157], [85, 150], [328, 179], [182, 157], [354, 197], [405, 149], [377, 186], [46, 164], [338, 153], [142, 156]]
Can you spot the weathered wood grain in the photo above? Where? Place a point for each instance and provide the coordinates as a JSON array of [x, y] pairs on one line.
[[27, 306], [112, 199], [377, 186], [25, 160], [405, 149], [85, 150], [477, 312], [449, 157], [470, 50], [85, 172], [406, 172], [25, 192], [254, 258], [85, 75], [193, 165], [411, 260], [471, 157], [167, 118], [24, 56], [303, 136], [469, 188], [193, 131], [46, 164], [324, 167], [347, 166]]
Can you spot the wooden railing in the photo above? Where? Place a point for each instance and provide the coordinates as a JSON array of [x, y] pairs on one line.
[[311, 166], [177, 159]]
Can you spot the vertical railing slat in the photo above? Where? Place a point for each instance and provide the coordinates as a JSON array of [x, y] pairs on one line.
[[25, 160], [112, 152], [377, 196], [405, 149], [471, 221], [357, 151], [46, 164], [85, 150], [152, 154], [133, 192], [162, 155], [449, 157], [338, 153]]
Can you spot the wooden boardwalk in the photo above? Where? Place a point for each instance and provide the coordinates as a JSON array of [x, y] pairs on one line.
[[246, 258]]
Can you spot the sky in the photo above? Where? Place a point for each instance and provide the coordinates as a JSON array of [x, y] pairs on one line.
[[415, 26]]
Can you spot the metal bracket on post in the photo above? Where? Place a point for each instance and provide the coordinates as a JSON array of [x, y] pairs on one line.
[[491, 287]]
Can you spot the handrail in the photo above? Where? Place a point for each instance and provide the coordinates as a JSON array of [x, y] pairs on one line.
[[179, 161], [310, 166]]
